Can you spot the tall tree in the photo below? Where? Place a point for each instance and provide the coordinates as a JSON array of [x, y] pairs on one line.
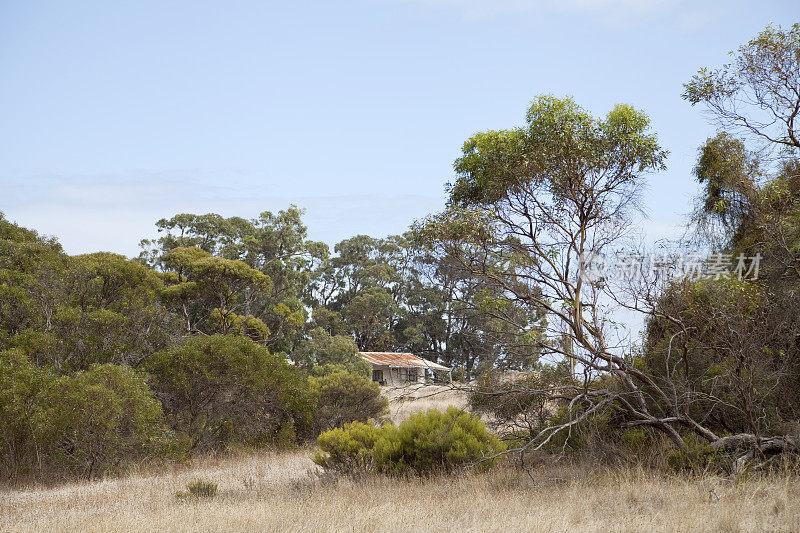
[[532, 204], [275, 244]]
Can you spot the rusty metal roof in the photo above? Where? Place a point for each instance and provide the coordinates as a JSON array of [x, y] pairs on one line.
[[399, 359]]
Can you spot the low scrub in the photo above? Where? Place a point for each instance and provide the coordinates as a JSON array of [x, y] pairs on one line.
[[198, 488], [427, 443], [698, 457]]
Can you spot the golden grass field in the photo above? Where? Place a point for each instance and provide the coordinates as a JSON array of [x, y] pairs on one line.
[[280, 491]]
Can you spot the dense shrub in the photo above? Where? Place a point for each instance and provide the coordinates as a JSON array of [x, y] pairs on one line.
[[99, 420], [426, 443], [90, 423], [435, 441], [343, 397], [348, 450], [698, 457], [221, 390], [70, 312], [20, 385]]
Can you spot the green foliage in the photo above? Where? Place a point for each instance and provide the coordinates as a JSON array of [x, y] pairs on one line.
[[198, 488], [348, 450], [698, 457], [222, 389], [733, 354], [436, 442], [728, 172], [274, 244], [757, 92], [91, 423], [343, 397], [369, 314], [635, 438], [323, 353], [72, 312], [246, 326], [426, 443], [99, 420], [21, 383], [211, 291], [496, 163]]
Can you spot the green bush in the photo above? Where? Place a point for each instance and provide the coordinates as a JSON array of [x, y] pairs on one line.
[[348, 450], [698, 457], [426, 443], [343, 397], [98, 421], [90, 423], [435, 441], [223, 390], [21, 382]]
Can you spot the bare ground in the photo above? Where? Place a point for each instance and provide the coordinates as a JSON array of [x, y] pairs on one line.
[[405, 401]]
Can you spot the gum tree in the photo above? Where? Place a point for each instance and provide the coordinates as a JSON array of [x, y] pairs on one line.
[[531, 204]]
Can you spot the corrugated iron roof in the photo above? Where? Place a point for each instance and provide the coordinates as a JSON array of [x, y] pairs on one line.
[[399, 359]]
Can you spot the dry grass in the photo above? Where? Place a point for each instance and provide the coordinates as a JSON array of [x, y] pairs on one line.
[[276, 492]]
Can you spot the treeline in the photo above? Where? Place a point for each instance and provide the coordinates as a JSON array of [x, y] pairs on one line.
[[223, 333], [264, 279]]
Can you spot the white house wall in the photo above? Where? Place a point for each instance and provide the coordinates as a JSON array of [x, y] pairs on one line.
[[395, 377]]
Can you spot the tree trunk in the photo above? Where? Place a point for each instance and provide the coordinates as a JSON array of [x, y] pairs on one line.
[[758, 452]]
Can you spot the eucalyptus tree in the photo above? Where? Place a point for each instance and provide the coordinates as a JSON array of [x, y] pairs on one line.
[[731, 346], [531, 205], [72, 312], [446, 317], [275, 244], [757, 94]]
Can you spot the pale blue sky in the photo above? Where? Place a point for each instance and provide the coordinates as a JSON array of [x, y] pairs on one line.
[[115, 114]]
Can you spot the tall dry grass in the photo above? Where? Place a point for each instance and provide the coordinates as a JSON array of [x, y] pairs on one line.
[[284, 491], [279, 492]]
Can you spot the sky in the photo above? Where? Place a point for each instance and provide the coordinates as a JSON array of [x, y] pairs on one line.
[[117, 114]]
